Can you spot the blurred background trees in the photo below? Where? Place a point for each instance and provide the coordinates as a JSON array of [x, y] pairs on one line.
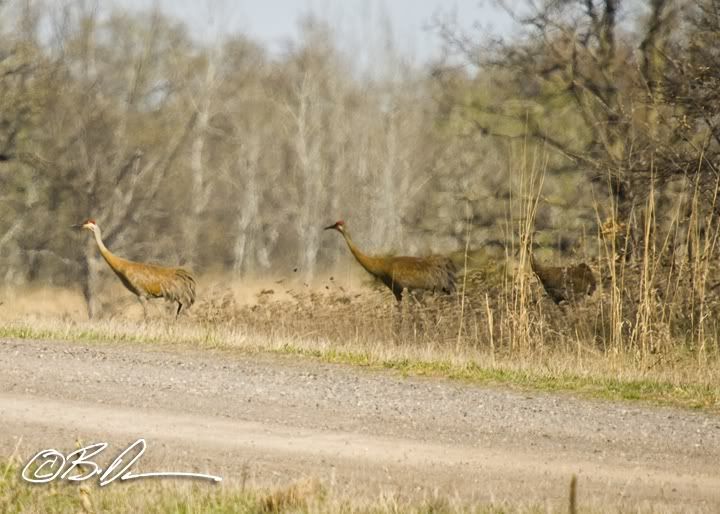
[[229, 158]]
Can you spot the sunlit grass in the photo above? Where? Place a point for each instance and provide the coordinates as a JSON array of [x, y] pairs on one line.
[[308, 496], [592, 376]]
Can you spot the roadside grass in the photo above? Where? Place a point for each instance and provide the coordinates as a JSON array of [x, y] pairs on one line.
[[648, 332], [308, 496], [675, 383]]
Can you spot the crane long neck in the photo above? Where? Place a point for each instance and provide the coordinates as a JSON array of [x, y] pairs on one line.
[[371, 264], [107, 254]]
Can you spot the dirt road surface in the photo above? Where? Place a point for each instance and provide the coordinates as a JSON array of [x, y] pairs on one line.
[[275, 419]]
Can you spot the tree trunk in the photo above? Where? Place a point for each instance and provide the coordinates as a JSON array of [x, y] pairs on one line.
[[199, 193], [246, 237]]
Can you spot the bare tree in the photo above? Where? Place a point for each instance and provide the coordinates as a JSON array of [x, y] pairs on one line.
[[579, 80], [241, 156], [97, 149]]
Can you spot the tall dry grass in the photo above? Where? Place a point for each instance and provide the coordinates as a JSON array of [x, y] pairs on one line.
[[654, 311], [653, 315]]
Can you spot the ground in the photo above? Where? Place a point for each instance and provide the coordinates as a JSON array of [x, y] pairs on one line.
[[267, 419]]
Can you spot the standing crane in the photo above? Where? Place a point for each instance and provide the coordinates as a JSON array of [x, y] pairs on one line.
[[434, 272], [565, 284], [147, 280]]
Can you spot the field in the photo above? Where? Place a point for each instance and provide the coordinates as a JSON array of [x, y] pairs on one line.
[[509, 333], [344, 320]]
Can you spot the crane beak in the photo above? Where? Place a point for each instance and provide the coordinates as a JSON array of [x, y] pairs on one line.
[[329, 227], [77, 225]]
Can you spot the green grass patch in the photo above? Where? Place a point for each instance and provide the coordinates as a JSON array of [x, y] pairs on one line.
[[694, 396], [600, 382]]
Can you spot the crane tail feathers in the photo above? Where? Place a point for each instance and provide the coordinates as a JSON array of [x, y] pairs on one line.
[[446, 275], [180, 288]]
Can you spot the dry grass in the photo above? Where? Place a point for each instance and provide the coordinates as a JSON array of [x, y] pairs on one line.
[[170, 496], [650, 331], [550, 348], [307, 496]]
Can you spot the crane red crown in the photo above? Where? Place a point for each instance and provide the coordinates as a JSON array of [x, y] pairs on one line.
[[89, 220]]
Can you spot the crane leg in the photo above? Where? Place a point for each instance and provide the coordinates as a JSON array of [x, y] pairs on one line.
[[178, 311], [143, 302], [398, 318]]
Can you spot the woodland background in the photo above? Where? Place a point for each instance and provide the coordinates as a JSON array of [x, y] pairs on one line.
[[230, 159]]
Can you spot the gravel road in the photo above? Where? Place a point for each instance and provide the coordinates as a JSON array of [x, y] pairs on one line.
[[275, 419]]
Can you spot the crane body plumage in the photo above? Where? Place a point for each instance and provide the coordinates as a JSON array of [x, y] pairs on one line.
[[435, 272], [565, 284], [147, 280]]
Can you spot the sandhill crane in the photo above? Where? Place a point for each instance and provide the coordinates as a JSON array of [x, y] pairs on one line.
[[147, 280], [435, 272], [565, 284]]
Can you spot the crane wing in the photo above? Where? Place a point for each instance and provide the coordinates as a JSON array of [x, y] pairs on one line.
[[175, 284], [433, 272]]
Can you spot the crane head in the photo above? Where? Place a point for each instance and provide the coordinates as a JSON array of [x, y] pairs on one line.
[[339, 226], [87, 224]]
